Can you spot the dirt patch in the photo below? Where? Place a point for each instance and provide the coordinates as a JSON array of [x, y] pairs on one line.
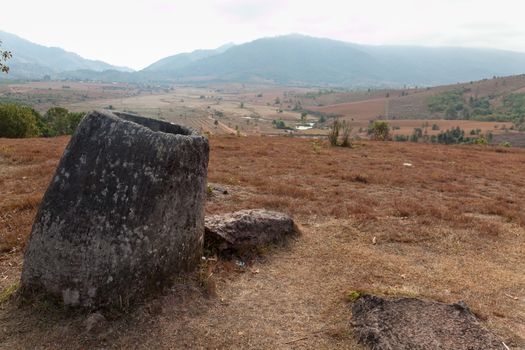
[[410, 324]]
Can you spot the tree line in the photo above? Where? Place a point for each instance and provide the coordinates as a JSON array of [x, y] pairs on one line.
[[20, 121], [454, 105]]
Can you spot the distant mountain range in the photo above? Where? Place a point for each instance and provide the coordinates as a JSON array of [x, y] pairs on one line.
[[287, 60], [182, 60], [33, 61]]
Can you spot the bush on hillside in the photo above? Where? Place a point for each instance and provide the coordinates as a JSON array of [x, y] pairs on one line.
[[449, 101], [62, 122], [17, 121]]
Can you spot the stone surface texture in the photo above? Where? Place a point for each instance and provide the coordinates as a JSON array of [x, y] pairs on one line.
[[408, 323], [247, 228], [123, 212]]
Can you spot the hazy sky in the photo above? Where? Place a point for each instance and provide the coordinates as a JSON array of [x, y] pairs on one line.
[[136, 33]]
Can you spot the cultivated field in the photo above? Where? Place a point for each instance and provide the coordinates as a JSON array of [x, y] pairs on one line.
[[252, 109], [450, 227], [212, 110], [360, 113]]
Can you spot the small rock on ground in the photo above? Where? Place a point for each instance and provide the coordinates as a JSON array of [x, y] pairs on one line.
[[95, 322]]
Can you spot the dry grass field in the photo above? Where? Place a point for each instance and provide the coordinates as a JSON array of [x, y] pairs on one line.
[[359, 111], [44, 95], [450, 227]]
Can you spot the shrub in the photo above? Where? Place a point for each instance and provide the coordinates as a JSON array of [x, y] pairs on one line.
[[62, 122], [17, 121], [43, 126], [418, 132], [449, 102], [279, 124], [333, 133], [379, 130], [303, 117], [340, 128], [457, 135], [452, 136], [346, 129], [400, 138], [482, 140]]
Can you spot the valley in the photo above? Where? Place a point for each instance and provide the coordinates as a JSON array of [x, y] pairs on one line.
[[256, 109]]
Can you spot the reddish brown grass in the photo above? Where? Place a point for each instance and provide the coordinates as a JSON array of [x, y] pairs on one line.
[[26, 167], [451, 227]]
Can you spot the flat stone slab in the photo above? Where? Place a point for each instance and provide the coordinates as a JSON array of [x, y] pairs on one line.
[[413, 324], [247, 228]]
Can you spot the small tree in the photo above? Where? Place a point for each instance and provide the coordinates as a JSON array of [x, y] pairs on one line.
[[58, 121], [416, 135], [279, 124], [62, 122], [379, 130], [303, 117]]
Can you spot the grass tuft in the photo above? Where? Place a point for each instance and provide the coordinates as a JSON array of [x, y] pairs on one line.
[[9, 292]]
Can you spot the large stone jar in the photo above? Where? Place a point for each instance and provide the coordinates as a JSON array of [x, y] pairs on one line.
[[123, 213]]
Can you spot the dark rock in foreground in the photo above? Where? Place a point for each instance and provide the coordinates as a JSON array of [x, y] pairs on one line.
[[247, 228], [407, 323], [123, 213]]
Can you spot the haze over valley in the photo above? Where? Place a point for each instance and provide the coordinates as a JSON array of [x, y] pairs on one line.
[[293, 60]]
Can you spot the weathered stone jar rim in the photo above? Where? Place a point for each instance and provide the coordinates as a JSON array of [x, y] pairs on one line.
[[154, 125]]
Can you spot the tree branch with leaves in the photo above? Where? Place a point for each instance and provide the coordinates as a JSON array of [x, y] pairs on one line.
[[4, 56]]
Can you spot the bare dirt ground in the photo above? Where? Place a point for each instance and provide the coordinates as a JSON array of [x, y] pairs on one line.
[[359, 111], [450, 227]]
